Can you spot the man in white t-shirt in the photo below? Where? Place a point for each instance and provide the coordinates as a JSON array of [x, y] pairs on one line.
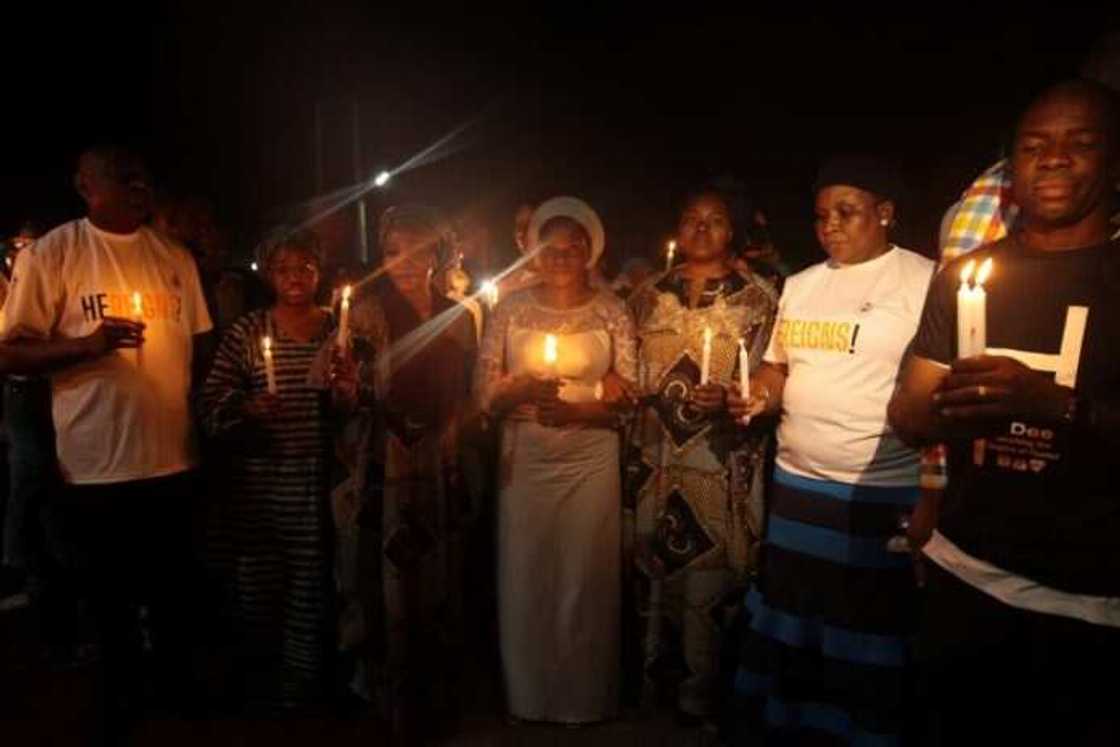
[[122, 421]]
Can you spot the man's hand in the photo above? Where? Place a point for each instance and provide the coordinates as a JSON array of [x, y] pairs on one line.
[[113, 333], [995, 388]]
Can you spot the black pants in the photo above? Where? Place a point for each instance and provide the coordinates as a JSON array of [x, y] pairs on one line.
[[133, 546], [996, 674]]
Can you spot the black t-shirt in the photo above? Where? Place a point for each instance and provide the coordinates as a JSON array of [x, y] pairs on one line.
[[1041, 499]]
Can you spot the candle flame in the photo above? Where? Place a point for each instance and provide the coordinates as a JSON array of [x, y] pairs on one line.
[[966, 272], [346, 291], [550, 349], [266, 343], [137, 304], [707, 335], [985, 271]]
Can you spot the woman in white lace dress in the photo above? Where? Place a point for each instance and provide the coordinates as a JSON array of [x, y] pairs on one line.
[[543, 357]]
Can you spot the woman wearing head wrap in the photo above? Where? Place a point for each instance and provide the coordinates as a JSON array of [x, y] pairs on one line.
[[414, 350], [271, 535], [833, 611], [543, 358], [694, 479]]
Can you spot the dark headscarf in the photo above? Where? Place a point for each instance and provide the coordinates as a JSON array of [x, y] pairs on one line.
[[862, 171]]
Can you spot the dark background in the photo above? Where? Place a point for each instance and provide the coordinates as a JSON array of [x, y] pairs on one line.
[[626, 107]]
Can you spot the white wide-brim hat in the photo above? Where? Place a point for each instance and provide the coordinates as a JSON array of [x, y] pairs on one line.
[[577, 210]]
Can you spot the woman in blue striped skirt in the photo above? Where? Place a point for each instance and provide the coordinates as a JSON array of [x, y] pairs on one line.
[[270, 535], [826, 657]]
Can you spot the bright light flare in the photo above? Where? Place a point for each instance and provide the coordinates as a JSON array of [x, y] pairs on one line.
[[382, 179]]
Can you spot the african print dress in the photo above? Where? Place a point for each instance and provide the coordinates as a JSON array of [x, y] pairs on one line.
[[694, 482]]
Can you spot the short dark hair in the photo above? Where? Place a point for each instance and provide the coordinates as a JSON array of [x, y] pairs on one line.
[[1105, 97]]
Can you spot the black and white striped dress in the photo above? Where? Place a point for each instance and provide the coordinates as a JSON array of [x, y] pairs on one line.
[[270, 533]]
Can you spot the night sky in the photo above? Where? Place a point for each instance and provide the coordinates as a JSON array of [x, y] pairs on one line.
[[622, 107]]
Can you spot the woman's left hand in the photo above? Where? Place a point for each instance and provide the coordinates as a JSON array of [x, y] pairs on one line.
[[709, 398], [555, 413]]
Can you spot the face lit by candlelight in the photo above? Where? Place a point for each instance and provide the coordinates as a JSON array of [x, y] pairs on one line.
[[565, 250], [294, 274], [704, 229], [1064, 161], [849, 223], [410, 257]]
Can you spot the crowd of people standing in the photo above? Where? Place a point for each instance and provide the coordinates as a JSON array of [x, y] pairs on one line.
[[802, 511]]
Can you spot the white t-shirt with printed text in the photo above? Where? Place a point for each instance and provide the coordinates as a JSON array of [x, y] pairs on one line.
[[123, 416], [842, 330]]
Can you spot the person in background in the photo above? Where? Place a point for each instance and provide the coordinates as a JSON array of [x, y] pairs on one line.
[[694, 480], [559, 513], [834, 609], [1023, 589], [122, 420], [634, 272], [414, 351]]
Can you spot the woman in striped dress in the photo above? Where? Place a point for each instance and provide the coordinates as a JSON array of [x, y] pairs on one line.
[[270, 535], [826, 659]]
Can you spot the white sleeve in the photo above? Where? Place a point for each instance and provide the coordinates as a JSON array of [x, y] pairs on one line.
[[34, 301]]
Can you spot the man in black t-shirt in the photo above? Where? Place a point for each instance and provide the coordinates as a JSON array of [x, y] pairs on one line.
[[1023, 618]]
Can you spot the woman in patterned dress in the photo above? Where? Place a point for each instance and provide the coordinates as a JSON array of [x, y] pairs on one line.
[[694, 477]]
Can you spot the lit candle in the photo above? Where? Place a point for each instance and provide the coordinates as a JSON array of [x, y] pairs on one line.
[[972, 310], [672, 250], [706, 357], [269, 366], [550, 354], [138, 316], [490, 293], [344, 319]]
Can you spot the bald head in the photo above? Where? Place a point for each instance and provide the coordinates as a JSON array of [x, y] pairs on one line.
[[1065, 156]]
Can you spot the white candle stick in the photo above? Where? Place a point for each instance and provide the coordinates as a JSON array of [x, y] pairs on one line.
[[744, 375], [972, 310], [269, 366], [669, 254], [706, 357], [344, 319], [138, 317]]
